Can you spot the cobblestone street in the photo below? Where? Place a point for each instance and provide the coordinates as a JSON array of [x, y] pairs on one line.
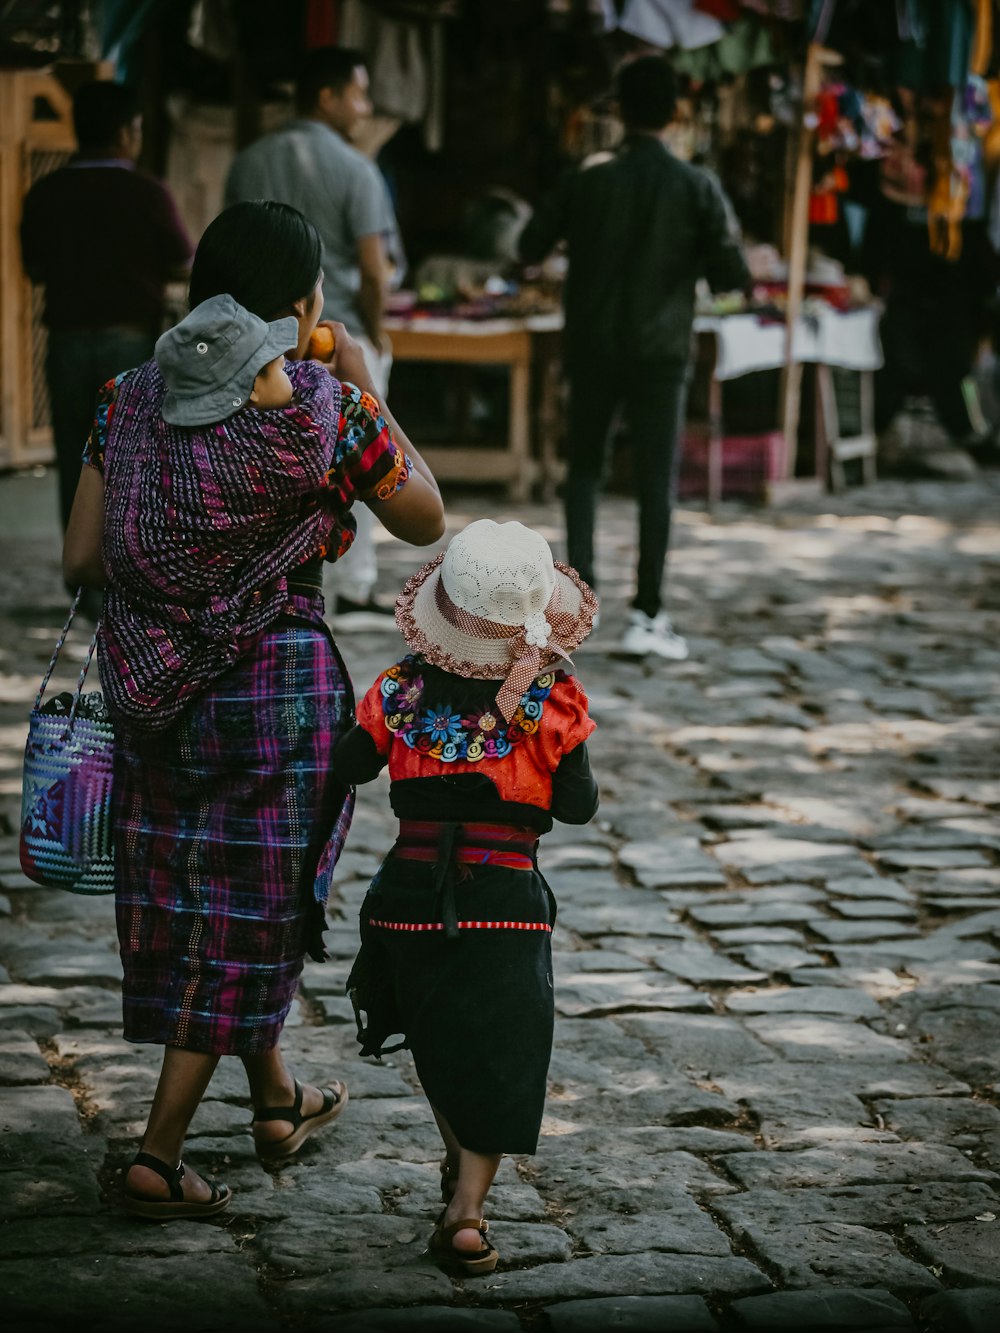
[[774, 1093]]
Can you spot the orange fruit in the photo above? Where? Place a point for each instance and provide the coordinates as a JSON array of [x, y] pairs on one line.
[[321, 344]]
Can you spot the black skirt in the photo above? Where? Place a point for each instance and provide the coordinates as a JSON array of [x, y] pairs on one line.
[[475, 1010]]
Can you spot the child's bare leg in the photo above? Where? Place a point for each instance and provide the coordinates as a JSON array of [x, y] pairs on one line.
[[475, 1176], [452, 1147]]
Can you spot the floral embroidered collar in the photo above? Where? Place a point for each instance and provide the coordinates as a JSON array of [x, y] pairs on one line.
[[443, 734]]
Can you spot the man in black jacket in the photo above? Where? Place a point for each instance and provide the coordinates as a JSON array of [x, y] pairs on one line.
[[641, 228]]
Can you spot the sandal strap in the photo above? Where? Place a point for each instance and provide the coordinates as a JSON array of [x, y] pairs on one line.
[[173, 1175], [293, 1113]]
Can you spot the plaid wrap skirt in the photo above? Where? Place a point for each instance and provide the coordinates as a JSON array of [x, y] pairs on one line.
[[227, 828]]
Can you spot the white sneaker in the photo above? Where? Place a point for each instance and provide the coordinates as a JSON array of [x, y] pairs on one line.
[[653, 634]]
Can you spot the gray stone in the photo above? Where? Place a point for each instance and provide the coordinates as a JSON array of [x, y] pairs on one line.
[[682, 1229], [697, 1042], [866, 887], [39, 1112], [426, 1318], [697, 963], [972, 1310], [959, 1121], [671, 862], [105, 1293], [578, 856], [803, 1000], [740, 937], [626, 1275], [568, 961], [883, 909], [802, 1254], [912, 858], [595, 993], [632, 1314], [20, 1059], [60, 1186], [859, 1205], [358, 1288], [966, 1251], [848, 932], [110, 1233], [776, 958], [853, 1164], [879, 982], [821, 1038], [821, 1310], [752, 912], [625, 912], [64, 960]]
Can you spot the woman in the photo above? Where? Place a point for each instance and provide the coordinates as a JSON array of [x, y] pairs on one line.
[[229, 693]]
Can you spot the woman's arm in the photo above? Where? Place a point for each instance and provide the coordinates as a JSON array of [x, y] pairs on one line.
[[82, 562], [415, 513]]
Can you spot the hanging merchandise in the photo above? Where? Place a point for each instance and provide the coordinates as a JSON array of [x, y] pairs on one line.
[[670, 23]]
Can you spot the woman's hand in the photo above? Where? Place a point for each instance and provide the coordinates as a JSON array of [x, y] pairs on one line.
[[348, 360]]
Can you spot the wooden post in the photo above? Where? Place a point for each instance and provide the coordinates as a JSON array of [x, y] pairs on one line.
[[797, 244]]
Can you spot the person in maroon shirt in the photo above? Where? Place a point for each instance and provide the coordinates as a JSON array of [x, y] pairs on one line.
[[104, 239]]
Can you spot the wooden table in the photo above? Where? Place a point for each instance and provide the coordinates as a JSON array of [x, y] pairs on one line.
[[505, 342]]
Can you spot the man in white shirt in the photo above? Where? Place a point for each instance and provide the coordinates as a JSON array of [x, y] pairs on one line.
[[311, 164]]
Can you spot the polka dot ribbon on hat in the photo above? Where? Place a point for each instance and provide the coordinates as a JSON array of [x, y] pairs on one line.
[[526, 643]]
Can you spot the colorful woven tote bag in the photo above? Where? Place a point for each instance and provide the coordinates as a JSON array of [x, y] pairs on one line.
[[66, 800]]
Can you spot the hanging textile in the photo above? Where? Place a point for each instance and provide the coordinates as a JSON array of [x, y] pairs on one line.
[[670, 23]]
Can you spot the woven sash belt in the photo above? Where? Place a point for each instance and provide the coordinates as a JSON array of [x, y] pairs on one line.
[[450, 844]]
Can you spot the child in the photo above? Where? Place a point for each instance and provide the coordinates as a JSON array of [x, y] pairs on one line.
[[221, 358], [484, 731]]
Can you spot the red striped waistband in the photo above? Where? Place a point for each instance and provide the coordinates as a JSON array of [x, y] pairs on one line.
[[474, 844]]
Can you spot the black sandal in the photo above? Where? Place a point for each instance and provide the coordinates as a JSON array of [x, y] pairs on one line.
[[142, 1205], [302, 1125]]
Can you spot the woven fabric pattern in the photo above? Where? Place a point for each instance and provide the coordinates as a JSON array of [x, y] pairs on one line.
[[228, 826], [66, 804], [202, 526]]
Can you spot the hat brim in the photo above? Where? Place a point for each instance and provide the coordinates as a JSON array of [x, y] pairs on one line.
[[218, 405], [444, 645]]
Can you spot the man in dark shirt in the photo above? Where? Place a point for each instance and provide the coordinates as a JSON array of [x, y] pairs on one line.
[[641, 228], [104, 239]]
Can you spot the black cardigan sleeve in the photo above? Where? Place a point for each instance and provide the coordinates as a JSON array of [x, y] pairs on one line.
[[355, 758], [574, 789]]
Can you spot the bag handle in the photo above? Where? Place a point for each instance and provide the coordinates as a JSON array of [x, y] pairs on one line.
[[55, 657]]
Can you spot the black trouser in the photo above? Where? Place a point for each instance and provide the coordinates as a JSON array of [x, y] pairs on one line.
[[652, 397], [78, 364]]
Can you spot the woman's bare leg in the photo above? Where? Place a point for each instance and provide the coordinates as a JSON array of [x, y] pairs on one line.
[[475, 1172], [184, 1077], [272, 1084]]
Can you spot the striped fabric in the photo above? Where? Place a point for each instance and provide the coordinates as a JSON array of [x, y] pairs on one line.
[[202, 525], [462, 925], [227, 827]]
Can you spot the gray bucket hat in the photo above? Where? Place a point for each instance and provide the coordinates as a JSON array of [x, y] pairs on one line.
[[212, 357]]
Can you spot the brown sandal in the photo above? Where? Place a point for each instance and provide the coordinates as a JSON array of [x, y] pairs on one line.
[[460, 1262], [334, 1100]]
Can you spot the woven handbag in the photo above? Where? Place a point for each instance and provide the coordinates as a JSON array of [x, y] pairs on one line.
[[66, 800]]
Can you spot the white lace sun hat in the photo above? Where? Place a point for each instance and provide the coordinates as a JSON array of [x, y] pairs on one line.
[[496, 606]]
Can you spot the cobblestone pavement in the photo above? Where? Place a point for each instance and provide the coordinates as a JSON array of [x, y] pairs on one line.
[[774, 1091]]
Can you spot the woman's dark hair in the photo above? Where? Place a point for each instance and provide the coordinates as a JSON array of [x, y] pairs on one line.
[[461, 694], [264, 254], [647, 93], [100, 110]]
